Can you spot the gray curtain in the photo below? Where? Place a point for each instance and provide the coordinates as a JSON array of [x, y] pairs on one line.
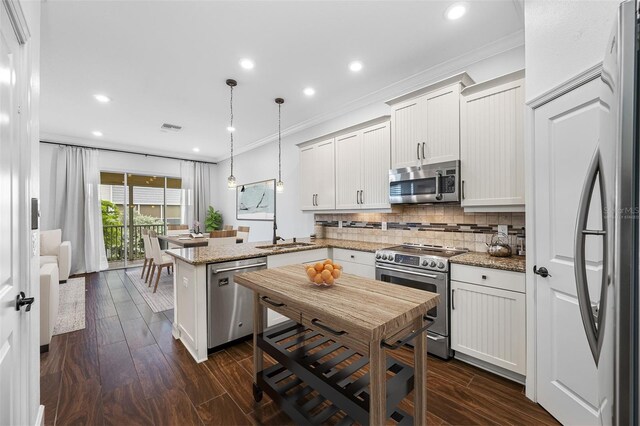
[[78, 210], [201, 188]]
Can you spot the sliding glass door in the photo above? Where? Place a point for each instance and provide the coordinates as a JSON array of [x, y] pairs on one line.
[[133, 202]]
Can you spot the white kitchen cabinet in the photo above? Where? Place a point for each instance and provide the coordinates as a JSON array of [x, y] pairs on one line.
[[426, 124], [356, 262], [488, 322], [492, 144], [317, 177], [362, 168]]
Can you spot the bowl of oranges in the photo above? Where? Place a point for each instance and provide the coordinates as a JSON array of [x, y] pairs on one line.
[[324, 274]]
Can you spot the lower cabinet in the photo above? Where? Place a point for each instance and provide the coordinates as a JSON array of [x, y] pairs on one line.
[[356, 262], [489, 323]]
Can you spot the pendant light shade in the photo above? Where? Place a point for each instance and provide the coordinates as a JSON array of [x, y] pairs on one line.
[[231, 180], [280, 183]]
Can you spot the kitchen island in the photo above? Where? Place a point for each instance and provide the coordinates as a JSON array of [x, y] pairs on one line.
[[352, 323]]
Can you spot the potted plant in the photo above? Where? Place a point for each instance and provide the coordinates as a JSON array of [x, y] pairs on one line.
[[213, 220]]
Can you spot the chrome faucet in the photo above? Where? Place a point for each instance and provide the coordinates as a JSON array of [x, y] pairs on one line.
[[276, 238]]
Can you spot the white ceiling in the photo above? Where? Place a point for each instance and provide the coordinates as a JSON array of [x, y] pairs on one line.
[[167, 61]]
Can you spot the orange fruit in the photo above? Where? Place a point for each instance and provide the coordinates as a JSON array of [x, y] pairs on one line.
[[336, 273], [317, 279], [319, 266], [312, 279], [311, 272], [329, 281], [328, 262], [337, 266], [325, 275], [328, 267]]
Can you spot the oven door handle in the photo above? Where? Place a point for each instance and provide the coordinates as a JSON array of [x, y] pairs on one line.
[[385, 268]]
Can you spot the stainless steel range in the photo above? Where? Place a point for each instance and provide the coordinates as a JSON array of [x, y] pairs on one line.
[[424, 267]]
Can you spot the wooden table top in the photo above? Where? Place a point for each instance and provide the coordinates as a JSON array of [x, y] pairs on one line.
[[374, 308], [191, 242]]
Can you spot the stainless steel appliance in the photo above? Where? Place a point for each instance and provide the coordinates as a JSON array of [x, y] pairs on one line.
[[229, 306], [610, 315], [433, 183], [423, 267]]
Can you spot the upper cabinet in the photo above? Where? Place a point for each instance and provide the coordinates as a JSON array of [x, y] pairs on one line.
[[362, 168], [350, 171], [317, 177], [492, 144], [426, 124]]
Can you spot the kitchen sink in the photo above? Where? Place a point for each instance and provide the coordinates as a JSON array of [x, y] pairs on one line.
[[283, 246]]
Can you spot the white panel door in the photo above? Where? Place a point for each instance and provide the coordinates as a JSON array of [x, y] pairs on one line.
[[408, 121], [489, 324], [14, 335], [348, 161], [442, 138], [376, 151], [307, 178], [492, 146], [323, 171], [566, 135]]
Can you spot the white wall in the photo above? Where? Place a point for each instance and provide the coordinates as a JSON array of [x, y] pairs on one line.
[[109, 161], [262, 163], [564, 38]]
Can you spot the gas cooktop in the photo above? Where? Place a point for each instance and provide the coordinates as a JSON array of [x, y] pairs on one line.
[[422, 256]]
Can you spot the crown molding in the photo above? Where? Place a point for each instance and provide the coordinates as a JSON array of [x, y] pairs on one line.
[[113, 146], [409, 84]]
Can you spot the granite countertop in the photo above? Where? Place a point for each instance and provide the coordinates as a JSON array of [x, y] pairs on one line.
[[474, 258], [204, 255]]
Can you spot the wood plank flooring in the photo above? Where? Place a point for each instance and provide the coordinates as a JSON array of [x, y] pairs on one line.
[[125, 368]]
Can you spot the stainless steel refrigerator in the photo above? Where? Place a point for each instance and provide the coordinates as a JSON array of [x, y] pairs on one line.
[[612, 323]]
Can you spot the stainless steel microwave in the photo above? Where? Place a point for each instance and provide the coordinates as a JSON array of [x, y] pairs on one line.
[[433, 183]]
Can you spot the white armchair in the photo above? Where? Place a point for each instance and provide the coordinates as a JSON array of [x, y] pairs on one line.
[[49, 303], [54, 250]]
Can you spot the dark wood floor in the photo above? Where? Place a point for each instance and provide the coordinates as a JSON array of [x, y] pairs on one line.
[[125, 368]]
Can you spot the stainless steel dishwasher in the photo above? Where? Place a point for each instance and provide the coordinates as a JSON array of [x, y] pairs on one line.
[[229, 306]]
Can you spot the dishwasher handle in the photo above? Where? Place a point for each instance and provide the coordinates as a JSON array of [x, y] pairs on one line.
[[238, 268]]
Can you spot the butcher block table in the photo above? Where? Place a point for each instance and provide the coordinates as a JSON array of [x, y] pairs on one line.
[[336, 332]]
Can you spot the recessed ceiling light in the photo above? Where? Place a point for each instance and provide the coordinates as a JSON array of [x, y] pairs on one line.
[[196, 149], [97, 133], [309, 91], [355, 66], [247, 64], [102, 98], [455, 11], [231, 129]]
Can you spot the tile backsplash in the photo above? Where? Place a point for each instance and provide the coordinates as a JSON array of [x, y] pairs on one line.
[[442, 225]]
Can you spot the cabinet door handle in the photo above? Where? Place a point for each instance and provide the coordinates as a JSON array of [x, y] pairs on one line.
[[453, 298], [463, 190], [423, 144], [362, 196], [272, 302], [357, 197], [418, 150]]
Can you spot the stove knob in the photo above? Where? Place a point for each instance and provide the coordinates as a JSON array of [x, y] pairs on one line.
[[378, 256], [432, 264], [425, 263], [384, 257], [440, 265]]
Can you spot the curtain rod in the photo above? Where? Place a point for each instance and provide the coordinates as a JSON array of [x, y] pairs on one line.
[[126, 152]]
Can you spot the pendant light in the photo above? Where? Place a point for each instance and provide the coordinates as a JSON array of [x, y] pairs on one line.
[[280, 183], [231, 180]]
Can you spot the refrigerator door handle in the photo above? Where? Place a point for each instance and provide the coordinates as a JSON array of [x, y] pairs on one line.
[[592, 316]]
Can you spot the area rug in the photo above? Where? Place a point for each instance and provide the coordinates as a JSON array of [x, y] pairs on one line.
[[162, 299], [71, 314]]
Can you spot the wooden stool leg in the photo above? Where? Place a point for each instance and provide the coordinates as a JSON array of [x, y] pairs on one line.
[[378, 384], [420, 376], [144, 266], [158, 278]]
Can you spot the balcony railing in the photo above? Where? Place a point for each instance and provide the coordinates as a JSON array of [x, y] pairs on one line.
[[116, 245]]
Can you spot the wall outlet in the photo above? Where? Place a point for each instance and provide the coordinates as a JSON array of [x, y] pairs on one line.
[[384, 226], [503, 229]]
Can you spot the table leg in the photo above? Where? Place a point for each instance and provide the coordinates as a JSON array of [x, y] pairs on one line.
[[420, 376], [259, 313], [378, 384]]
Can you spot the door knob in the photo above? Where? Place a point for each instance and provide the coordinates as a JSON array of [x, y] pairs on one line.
[[541, 271], [21, 301]]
